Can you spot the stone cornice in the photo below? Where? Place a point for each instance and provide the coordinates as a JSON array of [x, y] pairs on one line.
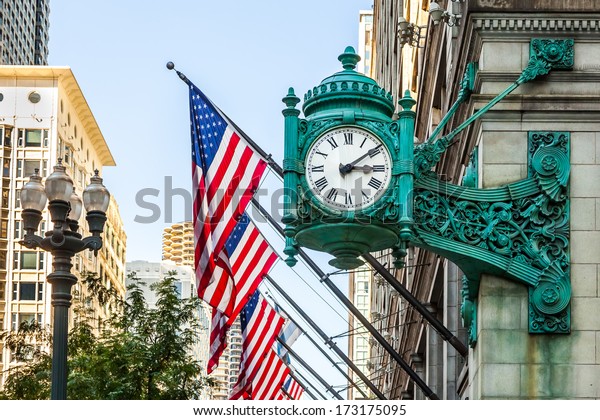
[[544, 23]]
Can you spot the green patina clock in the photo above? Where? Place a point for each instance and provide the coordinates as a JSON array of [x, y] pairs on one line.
[[346, 172], [354, 183], [348, 168]]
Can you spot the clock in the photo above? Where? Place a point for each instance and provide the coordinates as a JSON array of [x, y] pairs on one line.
[[348, 168]]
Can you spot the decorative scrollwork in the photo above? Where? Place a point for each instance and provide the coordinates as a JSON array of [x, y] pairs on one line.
[[533, 229], [308, 129]]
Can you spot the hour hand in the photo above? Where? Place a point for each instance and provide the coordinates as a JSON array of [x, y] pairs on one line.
[[365, 168]]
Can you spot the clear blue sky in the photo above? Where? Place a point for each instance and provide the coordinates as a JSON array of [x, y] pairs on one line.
[[243, 55]]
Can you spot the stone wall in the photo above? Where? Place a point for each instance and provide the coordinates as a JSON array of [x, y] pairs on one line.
[[508, 362]]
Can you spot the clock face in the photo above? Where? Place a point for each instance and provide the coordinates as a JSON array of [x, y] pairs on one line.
[[348, 168]]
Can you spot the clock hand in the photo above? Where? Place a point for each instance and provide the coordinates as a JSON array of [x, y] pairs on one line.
[[365, 168], [344, 169]]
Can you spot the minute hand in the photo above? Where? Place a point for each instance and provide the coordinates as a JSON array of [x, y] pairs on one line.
[[344, 169]]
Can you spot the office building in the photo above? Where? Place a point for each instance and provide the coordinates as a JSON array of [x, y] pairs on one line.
[[24, 28], [45, 117]]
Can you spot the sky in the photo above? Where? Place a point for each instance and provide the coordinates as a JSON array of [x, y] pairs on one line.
[[243, 55]]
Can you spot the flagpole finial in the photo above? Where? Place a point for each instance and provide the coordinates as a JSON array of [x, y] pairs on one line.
[[171, 66]]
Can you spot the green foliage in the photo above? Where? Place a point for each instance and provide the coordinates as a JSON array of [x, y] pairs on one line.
[[139, 353]]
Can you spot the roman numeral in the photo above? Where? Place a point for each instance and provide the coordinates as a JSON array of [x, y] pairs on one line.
[[375, 151], [363, 142], [348, 198], [318, 168], [321, 153], [321, 183], [364, 195], [347, 138], [375, 183], [378, 168], [332, 195], [332, 142]]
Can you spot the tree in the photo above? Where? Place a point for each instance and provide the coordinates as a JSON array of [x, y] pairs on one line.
[[139, 353]]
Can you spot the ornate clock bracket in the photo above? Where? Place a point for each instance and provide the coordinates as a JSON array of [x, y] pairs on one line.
[[520, 231]]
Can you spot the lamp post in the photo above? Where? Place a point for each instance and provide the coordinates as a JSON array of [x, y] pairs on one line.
[[63, 242]]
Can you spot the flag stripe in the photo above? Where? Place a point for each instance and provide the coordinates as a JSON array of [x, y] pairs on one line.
[[267, 384], [260, 326]]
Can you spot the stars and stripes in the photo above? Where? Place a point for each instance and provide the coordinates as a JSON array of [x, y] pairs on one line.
[[231, 256], [293, 388], [218, 339], [226, 172], [270, 378], [248, 258], [289, 334], [260, 326]]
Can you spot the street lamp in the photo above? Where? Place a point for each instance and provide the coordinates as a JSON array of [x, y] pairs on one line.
[[63, 242]]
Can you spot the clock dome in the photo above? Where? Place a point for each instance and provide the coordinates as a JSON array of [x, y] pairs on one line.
[[349, 89]]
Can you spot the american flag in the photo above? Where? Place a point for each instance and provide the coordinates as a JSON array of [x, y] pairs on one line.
[[218, 337], [270, 378], [249, 258], [260, 326], [226, 172], [289, 334], [293, 388]]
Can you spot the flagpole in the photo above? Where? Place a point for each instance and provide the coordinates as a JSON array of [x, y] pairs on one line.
[[323, 397], [303, 385], [310, 369], [433, 321], [324, 278], [287, 394], [327, 339], [328, 357]]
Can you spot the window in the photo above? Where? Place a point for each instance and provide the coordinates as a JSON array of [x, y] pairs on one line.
[[2, 260], [3, 228], [33, 137], [28, 260], [17, 229], [27, 291], [27, 168], [362, 286]]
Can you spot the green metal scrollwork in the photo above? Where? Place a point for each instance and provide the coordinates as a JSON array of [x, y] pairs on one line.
[[545, 55], [520, 231]]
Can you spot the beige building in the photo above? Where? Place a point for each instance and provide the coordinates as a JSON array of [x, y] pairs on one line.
[[178, 243], [44, 116], [505, 360]]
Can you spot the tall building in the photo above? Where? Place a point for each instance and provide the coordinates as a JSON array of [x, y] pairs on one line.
[[43, 117], [365, 41], [178, 248], [512, 354], [359, 346], [24, 28], [178, 244]]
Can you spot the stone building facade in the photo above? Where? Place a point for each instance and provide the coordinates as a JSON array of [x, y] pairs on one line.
[[506, 360]]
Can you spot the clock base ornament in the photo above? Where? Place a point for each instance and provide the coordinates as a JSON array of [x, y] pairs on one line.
[[347, 241]]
